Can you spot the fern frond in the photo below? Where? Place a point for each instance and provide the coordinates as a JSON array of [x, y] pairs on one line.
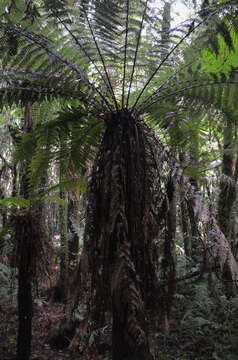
[[186, 82], [107, 48], [79, 134], [41, 45], [20, 86], [221, 93], [17, 202]]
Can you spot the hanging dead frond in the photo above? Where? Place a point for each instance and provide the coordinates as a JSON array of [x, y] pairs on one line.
[[129, 317], [220, 249]]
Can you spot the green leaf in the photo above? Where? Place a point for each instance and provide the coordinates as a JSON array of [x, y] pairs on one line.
[[224, 58], [15, 202]]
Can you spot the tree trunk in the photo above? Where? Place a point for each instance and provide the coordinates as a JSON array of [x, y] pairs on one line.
[[64, 250], [25, 311], [63, 230], [194, 165], [129, 331], [24, 251], [166, 26], [227, 185], [118, 217], [227, 197], [3, 211], [169, 263], [73, 205], [185, 228]]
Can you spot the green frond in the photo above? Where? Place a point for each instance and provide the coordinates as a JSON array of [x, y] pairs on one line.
[[15, 202], [44, 58], [23, 203], [219, 54], [109, 37], [118, 53], [224, 30], [70, 139], [19, 86], [221, 94]]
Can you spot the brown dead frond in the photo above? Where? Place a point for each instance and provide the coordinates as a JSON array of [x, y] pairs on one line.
[[129, 320], [221, 251]]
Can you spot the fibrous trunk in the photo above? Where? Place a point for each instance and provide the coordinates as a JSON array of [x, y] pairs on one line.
[[119, 234], [63, 280], [32, 253], [24, 240]]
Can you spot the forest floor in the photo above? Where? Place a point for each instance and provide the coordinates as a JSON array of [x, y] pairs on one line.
[[46, 317], [202, 328]]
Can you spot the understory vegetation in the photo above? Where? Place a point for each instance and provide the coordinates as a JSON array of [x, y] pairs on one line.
[[118, 179]]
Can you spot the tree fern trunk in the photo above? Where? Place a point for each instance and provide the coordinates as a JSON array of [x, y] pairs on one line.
[[64, 253], [32, 260], [118, 216], [23, 241], [63, 229], [129, 331], [24, 313], [24, 296]]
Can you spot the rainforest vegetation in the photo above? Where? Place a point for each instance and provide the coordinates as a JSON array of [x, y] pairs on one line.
[[118, 179]]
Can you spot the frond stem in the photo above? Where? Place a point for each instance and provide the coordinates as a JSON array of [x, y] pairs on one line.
[[167, 56], [185, 89], [163, 85], [136, 53], [88, 56], [102, 59], [125, 53]]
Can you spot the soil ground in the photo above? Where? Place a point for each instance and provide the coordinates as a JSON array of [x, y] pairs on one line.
[[46, 317]]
